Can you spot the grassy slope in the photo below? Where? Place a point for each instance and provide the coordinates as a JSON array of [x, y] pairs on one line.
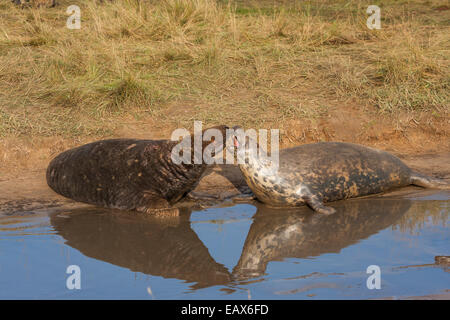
[[277, 64]]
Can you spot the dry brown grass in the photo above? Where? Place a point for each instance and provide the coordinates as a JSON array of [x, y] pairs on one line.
[[174, 61]]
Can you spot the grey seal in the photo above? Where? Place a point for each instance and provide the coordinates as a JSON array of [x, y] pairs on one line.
[[127, 174], [321, 172]]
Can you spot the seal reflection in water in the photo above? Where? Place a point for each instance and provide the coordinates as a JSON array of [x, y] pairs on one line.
[[323, 172], [127, 174], [171, 249], [277, 234], [167, 247]]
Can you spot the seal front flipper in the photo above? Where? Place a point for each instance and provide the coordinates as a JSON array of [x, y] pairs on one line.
[[421, 180], [314, 203], [157, 206], [162, 212]]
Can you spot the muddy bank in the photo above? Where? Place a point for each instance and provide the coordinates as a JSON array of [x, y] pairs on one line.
[[30, 192]]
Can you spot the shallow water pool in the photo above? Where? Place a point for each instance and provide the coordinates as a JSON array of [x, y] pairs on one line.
[[242, 251]]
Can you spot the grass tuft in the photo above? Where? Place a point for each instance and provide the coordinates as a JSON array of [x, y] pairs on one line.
[[258, 63]]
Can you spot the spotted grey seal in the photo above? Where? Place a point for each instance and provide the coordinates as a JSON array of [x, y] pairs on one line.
[[127, 174], [280, 233], [321, 172]]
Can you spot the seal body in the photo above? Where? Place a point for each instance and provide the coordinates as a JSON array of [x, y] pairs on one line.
[[126, 174], [328, 171]]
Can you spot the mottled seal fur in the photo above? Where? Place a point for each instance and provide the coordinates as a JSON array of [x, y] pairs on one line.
[[326, 171], [277, 234], [127, 174]]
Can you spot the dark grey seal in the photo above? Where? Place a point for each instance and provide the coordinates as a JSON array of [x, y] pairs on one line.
[[167, 247], [126, 174], [323, 172]]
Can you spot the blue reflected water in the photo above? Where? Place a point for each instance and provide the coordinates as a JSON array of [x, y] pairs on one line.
[[235, 252]]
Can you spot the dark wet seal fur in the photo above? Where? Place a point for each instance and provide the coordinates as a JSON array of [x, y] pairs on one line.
[[329, 171], [127, 174], [167, 247]]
